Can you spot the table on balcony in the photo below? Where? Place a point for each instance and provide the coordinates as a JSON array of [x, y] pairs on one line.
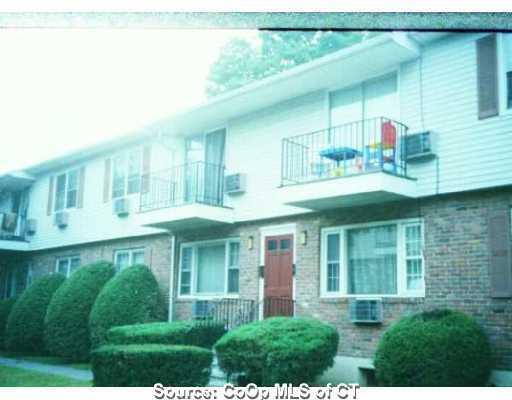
[[339, 154]]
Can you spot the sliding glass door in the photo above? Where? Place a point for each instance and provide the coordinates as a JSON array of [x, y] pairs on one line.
[[205, 168]]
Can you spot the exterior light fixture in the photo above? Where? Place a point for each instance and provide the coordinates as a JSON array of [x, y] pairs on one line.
[[250, 242], [304, 238]]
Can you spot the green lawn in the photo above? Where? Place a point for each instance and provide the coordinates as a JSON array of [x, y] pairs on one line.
[[46, 360], [11, 377]]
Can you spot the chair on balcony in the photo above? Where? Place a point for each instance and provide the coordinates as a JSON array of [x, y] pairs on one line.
[[381, 153]]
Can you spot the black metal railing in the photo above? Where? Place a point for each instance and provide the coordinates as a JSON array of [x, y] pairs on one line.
[[349, 149], [197, 182], [278, 307], [231, 313]]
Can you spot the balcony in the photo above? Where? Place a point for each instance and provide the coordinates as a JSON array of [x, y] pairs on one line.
[[186, 196], [361, 162]]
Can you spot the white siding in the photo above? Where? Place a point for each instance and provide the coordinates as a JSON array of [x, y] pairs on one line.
[[473, 154], [95, 221], [254, 147]]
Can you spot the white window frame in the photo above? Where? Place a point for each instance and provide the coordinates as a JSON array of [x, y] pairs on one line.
[[401, 260], [66, 189], [130, 253], [125, 155], [68, 261], [193, 270], [502, 75]]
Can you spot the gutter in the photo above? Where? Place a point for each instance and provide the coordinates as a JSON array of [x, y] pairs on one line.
[[170, 316]]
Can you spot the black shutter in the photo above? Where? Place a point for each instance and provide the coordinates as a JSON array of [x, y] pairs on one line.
[[487, 76], [500, 267]]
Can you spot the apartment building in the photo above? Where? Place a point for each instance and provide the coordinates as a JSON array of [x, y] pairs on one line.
[[365, 185]]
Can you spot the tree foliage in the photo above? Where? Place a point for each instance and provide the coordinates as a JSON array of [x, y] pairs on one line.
[[241, 62]]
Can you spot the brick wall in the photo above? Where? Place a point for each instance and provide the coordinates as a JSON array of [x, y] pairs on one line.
[[157, 255]]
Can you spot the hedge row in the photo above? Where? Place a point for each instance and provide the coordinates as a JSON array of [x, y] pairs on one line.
[[131, 297], [25, 325], [279, 350], [67, 320], [191, 333], [5, 310], [147, 364]]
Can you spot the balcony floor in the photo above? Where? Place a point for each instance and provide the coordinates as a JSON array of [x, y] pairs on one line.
[[349, 191], [188, 216]]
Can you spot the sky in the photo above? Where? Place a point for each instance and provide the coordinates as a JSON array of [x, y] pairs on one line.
[[63, 89]]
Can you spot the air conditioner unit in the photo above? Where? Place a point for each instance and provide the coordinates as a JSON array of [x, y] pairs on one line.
[[201, 309], [122, 207], [366, 311], [419, 146], [61, 219], [235, 183], [31, 226]]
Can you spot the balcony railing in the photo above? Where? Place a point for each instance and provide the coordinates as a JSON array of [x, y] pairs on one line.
[[231, 313], [353, 148], [197, 182]]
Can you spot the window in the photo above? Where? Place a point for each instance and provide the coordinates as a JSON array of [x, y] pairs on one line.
[[66, 190], [233, 267], [506, 55], [126, 173], [371, 99], [372, 260], [10, 284], [128, 257], [378, 259], [413, 256], [67, 265], [210, 268]]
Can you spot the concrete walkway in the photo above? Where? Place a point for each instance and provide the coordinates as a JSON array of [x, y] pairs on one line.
[[69, 372]]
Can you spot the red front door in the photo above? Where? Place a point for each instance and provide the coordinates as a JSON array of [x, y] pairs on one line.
[[278, 276]]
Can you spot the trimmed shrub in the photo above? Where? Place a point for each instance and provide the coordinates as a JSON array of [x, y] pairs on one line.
[[147, 364], [67, 320], [25, 325], [5, 310], [130, 297], [436, 348], [279, 350], [180, 332]]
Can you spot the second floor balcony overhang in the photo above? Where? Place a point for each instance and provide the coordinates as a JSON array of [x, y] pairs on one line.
[[184, 197], [357, 163]]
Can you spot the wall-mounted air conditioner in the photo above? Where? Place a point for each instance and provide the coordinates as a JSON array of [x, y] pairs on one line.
[[61, 219], [31, 226], [122, 207], [366, 311], [420, 146], [235, 183]]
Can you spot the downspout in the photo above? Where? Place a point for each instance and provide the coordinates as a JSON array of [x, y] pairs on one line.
[[171, 278]]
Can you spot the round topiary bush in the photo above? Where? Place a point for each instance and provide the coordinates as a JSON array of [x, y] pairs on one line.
[[5, 310], [193, 333], [67, 320], [130, 297], [146, 364], [436, 348], [278, 350], [25, 325]]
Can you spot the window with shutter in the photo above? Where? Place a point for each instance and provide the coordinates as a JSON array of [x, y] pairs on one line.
[[487, 76], [500, 268]]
